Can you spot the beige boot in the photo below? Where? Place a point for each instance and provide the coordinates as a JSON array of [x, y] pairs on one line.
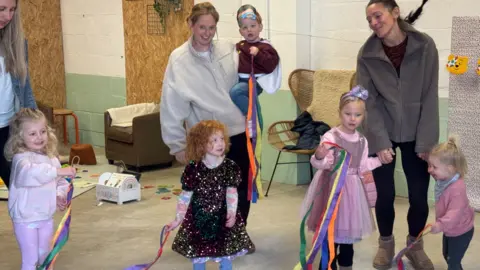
[[417, 255], [386, 251], [345, 268]]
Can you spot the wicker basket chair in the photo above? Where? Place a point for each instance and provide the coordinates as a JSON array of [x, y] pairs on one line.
[[300, 83]]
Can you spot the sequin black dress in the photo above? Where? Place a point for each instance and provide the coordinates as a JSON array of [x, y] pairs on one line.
[[203, 235]]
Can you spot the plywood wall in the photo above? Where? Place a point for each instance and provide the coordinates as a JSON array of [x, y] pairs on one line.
[[43, 29], [146, 56]]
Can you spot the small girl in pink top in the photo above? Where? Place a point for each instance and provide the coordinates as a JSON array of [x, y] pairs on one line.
[[354, 218], [37, 186], [454, 215]]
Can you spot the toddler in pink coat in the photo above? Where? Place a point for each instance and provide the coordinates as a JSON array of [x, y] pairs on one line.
[[454, 215], [37, 187]]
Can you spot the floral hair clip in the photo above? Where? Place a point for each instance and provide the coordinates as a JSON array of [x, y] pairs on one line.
[[358, 92], [248, 14]]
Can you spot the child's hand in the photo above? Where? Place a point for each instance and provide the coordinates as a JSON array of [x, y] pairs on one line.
[[253, 51], [435, 228], [321, 151], [68, 172], [173, 225], [231, 218], [61, 203]]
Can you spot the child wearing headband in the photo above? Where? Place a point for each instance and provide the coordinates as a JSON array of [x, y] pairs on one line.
[[354, 219], [255, 54]]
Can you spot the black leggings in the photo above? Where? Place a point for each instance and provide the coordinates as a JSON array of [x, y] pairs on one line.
[[239, 154], [4, 164], [418, 179], [343, 255], [454, 249]]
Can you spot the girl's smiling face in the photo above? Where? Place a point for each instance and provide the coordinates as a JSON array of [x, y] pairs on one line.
[[34, 135]]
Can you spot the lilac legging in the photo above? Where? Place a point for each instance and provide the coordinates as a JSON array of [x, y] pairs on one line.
[[34, 239]]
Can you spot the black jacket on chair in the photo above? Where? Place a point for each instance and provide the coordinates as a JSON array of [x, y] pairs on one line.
[[310, 132]]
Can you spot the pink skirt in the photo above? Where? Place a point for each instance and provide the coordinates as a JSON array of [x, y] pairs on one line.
[[354, 218]]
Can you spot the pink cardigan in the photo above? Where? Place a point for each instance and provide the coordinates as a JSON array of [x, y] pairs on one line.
[[454, 215]]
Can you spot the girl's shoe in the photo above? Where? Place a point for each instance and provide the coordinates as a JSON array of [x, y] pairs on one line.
[[252, 249], [386, 251]]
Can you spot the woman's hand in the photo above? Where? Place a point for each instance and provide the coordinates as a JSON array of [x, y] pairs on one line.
[[423, 156], [386, 155], [231, 218], [180, 156]]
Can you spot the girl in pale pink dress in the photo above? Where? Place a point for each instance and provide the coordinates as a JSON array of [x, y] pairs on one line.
[[354, 218]]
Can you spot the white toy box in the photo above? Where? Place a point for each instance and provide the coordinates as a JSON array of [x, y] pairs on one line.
[[118, 187]]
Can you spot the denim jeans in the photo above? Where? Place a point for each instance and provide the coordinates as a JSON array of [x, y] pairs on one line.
[[239, 94], [225, 264]]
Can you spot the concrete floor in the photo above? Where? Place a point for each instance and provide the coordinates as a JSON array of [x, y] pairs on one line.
[[114, 236]]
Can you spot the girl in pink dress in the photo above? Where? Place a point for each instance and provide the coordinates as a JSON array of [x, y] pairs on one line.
[[354, 218]]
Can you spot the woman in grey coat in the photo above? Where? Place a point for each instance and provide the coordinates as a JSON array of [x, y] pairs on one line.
[[399, 67]]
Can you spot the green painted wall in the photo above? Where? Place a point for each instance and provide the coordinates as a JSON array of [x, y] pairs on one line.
[[280, 106], [89, 97]]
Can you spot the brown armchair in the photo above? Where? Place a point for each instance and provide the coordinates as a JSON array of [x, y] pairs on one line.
[[138, 145]]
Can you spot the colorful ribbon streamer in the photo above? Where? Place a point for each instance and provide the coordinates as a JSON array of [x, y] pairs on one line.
[[327, 219], [163, 239], [254, 144], [398, 257], [62, 233]]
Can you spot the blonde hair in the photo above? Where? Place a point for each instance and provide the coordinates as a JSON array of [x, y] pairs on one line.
[[205, 8], [199, 135], [449, 153], [347, 98], [12, 47], [15, 143]]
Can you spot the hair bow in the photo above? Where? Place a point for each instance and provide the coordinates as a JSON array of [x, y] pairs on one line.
[[358, 92], [248, 14]]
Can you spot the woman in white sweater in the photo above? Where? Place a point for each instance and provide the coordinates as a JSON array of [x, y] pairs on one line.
[[15, 89], [196, 87]]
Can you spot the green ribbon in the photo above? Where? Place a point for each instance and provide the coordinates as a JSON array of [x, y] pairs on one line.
[[303, 240]]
